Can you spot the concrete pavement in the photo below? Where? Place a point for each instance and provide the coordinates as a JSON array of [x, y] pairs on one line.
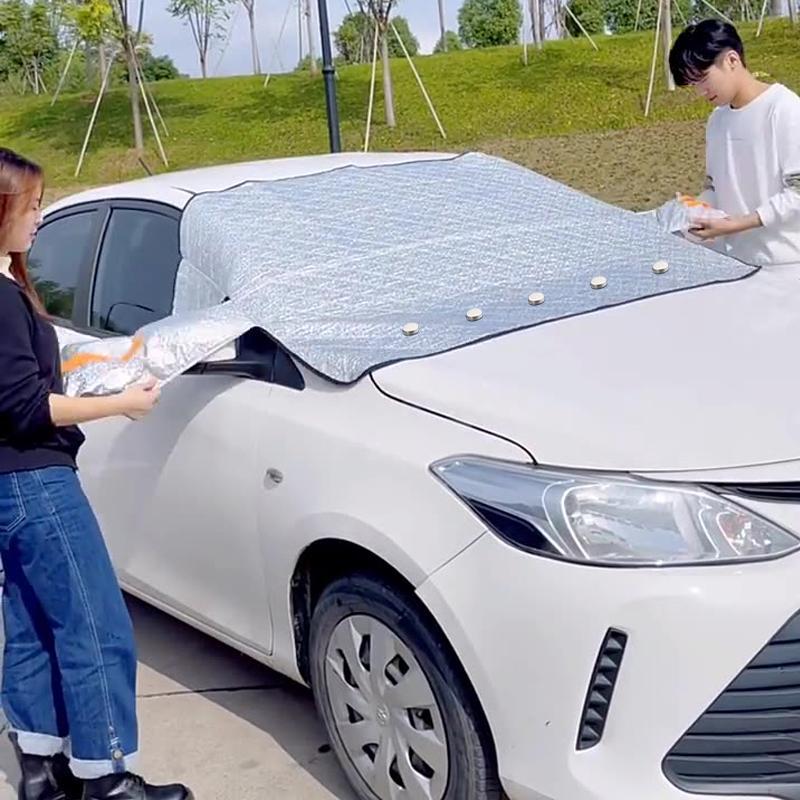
[[220, 722]]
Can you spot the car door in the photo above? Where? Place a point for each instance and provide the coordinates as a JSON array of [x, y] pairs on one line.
[[176, 493]]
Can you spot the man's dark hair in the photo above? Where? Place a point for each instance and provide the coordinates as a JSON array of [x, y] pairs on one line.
[[699, 46]]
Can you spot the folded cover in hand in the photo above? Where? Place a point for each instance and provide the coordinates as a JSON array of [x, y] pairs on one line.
[[161, 351], [685, 212]]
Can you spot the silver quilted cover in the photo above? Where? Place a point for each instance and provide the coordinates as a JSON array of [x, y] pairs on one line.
[[334, 265]]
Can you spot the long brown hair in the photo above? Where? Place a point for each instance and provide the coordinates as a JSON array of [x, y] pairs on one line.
[[21, 181]]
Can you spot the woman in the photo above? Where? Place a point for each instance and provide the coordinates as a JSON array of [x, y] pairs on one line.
[[70, 664]]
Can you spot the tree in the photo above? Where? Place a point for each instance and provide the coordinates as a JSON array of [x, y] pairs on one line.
[[380, 11], [591, 14], [354, 38], [536, 10], [57, 13], [304, 65], [409, 40], [312, 57], [351, 38], [205, 19], [28, 42], [42, 41], [620, 15], [93, 22], [157, 68], [103, 24], [129, 37], [489, 23], [250, 7], [449, 42], [442, 26]]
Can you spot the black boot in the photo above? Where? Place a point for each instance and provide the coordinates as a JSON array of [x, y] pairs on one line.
[[127, 786], [69, 784], [48, 778]]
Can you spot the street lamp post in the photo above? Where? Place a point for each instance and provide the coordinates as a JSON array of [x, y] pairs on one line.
[[329, 73]]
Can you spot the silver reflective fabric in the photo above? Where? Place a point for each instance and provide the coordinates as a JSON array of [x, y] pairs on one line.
[[161, 351], [358, 267]]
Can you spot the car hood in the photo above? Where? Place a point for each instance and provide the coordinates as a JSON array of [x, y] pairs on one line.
[[701, 379]]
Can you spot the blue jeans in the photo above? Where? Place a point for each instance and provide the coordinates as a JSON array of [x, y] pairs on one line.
[[69, 671]]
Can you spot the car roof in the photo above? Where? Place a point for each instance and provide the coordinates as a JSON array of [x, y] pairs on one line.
[[177, 188]]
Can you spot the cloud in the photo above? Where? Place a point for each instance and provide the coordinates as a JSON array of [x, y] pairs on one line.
[[231, 56]]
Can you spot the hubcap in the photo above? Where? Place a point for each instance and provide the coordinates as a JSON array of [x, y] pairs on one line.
[[385, 712]]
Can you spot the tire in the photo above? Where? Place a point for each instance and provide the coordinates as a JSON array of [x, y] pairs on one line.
[[371, 715]]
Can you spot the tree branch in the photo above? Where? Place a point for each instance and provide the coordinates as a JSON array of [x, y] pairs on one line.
[[140, 23]]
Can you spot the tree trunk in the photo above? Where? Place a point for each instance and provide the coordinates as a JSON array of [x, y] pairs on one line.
[[251, 14], [310, 27], [542, 23], [101, 60], [203, 63], [777, 8], [534, 21], [300, 32], [793, 11], [667, 41], [133, 88], [388, 89], [442, 26], [35, 77], [87, 63]]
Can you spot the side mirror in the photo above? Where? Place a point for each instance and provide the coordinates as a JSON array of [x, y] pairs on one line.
[[238, 359], [126, 318], [253, 355], [228, 352]]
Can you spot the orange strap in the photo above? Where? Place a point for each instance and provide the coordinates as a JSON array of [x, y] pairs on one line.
[[84, 359], [693, 202]]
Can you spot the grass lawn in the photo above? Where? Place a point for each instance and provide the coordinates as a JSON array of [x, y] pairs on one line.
[[573, 114]]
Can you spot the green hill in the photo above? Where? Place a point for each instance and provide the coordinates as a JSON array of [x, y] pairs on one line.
[[573, 113]]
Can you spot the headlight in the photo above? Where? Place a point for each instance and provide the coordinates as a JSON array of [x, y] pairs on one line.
[[612, 520]]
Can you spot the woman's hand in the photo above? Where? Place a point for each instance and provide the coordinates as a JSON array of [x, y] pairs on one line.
[[136, 402]]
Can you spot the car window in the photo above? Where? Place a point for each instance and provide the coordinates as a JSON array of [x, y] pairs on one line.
[[136, 273], [57, 258]]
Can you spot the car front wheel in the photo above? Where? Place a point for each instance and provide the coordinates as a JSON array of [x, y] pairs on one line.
[[400, 716]]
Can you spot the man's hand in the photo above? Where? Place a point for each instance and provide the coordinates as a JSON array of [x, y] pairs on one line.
[[711, 229]]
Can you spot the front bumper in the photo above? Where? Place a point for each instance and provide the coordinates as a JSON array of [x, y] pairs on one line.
[[527, 630], [748, 740]]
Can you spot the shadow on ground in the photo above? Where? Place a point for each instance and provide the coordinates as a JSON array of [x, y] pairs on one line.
[[219, 721]]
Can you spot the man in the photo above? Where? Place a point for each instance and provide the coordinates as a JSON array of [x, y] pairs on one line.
[[752, 147]]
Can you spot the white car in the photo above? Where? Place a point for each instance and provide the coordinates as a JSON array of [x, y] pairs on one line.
[[557, 564]]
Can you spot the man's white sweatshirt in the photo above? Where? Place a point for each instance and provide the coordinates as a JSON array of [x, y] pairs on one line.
[[753, 164]]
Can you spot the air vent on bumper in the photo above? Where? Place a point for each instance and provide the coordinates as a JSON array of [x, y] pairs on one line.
[[748, 741], [601, 689]]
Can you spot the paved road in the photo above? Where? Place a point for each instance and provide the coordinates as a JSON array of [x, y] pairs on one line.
[[222, 723]]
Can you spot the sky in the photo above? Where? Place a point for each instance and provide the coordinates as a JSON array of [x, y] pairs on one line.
[[174, 39]]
